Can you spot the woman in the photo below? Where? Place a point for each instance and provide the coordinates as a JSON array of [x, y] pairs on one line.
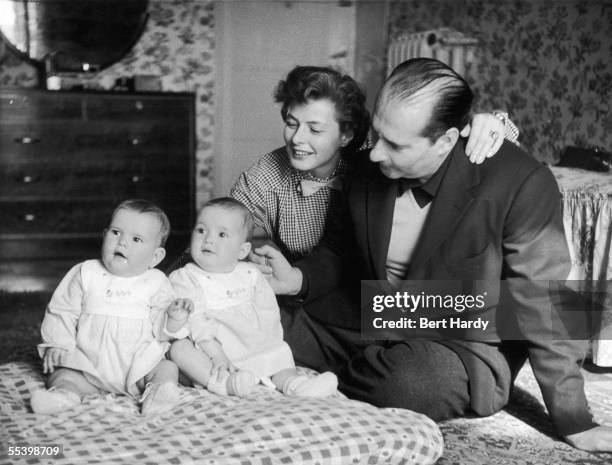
[[289, 191]]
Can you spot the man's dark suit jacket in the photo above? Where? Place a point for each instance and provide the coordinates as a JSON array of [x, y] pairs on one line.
[[497, 221]]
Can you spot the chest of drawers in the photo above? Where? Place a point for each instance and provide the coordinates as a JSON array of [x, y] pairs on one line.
[[67, 158]]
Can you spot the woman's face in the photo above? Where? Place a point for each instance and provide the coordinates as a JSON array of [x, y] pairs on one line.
[[313, 138]]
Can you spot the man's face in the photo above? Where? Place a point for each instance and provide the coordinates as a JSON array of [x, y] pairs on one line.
[[400, 150]]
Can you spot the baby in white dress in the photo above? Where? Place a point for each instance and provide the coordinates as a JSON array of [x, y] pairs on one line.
[[103, 328], [229, 325]]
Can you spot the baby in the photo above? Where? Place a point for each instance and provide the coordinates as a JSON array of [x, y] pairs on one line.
[[100, 327], [230, 317]]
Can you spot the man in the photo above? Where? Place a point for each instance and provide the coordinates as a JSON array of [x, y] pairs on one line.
[[495, 222]]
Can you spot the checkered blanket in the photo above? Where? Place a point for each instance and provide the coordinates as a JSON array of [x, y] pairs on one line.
[[265, 428]]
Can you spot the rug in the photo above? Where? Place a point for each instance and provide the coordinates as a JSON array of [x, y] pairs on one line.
[[522, 434]]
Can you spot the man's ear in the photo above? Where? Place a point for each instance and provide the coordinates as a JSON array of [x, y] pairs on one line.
[[447, 141], [245, 248], [158, 256]]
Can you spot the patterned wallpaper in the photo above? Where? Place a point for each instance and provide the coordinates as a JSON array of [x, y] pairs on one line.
[[546, 61], [549, 62], [177, 45]]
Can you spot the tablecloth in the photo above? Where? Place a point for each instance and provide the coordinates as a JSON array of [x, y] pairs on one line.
[[587, 219]]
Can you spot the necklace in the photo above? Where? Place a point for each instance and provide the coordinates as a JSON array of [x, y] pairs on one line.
[[312, 177]]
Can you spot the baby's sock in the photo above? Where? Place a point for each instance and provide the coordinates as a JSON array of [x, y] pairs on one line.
[[239, 383], [323, 385], [53, 400], [159, 398]]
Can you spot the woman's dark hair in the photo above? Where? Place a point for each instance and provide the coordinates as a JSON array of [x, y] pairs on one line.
[[305, 83]]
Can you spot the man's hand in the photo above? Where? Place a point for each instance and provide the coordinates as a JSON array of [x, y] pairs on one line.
[[597, 439], [486, 135], [283, 278], [54, 357]]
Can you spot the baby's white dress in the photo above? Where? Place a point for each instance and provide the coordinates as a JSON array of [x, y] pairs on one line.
[[239, 309], [109, 324]]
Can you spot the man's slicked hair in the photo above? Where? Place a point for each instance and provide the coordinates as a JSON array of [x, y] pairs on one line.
[[454, 98]]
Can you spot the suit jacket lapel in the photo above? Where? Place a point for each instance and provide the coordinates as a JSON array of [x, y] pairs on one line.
[[380, 205], [449, 205]]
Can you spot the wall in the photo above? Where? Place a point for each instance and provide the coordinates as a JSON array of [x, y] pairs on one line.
[[547, 62], [370, 47], [178, 45], [258, 42]]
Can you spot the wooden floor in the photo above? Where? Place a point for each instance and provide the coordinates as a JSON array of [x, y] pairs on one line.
[[34, 276]]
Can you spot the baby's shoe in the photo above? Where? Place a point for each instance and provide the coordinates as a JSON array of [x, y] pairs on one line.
[[323, 385], [159, 398], [47, 401], [239, 383]]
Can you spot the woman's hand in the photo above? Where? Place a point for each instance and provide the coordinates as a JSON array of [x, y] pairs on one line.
[[597, 439], [283, 278], [486, 135], [54, 357]]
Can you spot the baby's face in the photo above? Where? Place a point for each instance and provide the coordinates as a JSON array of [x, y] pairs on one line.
[[131, 243], [218, 240]]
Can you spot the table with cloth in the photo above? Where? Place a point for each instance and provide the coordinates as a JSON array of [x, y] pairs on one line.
[[587, 218]]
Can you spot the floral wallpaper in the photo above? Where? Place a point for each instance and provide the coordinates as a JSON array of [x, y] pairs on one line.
[[548, 62], [178, 46]]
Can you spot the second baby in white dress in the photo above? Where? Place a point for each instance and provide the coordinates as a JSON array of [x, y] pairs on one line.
[[228, 323]]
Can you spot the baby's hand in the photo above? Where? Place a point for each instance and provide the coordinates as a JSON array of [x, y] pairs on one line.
[[222, 367], [180, 309], [221, 362], [54, 356]]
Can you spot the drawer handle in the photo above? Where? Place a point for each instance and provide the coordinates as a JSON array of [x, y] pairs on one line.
[[29, 217], [138, 105], [135, 141], [136, 179], [28, 179], [27, 140]]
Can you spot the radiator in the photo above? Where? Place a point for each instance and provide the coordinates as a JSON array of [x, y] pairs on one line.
[[444, 44]]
